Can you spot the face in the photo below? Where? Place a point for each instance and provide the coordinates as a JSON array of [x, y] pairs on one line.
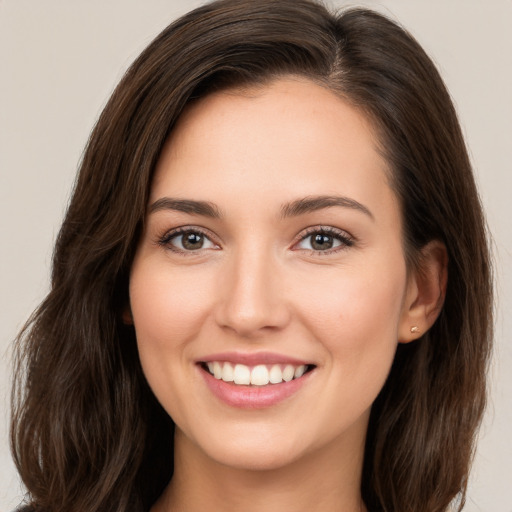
[[272, 255]]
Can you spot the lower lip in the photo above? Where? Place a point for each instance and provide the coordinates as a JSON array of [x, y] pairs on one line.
[[253, 397]]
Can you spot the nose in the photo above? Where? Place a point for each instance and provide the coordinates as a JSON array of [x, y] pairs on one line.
[[252, 295]]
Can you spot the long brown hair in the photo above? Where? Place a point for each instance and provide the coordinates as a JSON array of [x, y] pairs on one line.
[[87, 432]]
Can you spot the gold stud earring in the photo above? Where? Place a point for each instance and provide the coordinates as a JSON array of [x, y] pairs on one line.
[[415, 329]]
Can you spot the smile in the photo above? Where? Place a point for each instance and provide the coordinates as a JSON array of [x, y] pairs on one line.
[[254, 381], [259, 375]]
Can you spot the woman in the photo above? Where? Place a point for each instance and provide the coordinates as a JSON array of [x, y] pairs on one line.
[[271, 288]]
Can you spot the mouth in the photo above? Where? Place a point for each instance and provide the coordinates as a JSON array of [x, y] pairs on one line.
[[255, 375], [255, 380]]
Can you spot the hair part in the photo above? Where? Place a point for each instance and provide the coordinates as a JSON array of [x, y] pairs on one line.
[[87, 432]]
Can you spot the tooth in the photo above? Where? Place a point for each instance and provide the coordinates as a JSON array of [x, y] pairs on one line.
[[259, 375], [227, 373], [276, 375], [210, 367], [217, 370], [242, 374], [299, 371], [288, 372]]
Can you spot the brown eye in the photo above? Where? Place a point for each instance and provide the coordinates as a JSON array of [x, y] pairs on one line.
[[188, 240], [322, 242], [192, 241], [325, 239]]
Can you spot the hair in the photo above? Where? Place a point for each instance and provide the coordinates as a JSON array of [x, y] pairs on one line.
[[87, 432]]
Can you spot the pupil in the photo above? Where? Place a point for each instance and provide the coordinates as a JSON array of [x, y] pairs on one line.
[[322, 242], [192, 241]]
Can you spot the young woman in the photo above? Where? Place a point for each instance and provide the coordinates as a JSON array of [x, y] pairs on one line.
[[271, 289]]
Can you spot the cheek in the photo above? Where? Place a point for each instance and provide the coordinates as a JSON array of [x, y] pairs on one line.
[[166, 306], [168, 310], [355, 311], [355, 320]]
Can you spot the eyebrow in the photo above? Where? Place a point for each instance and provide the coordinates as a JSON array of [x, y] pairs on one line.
[[314, 203], [292, 209], [204, 208]]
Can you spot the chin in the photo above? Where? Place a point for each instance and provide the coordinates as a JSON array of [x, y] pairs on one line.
[[251, 450], [266, 458]]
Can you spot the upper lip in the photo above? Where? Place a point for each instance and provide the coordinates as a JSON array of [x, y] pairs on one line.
[[253, 358]]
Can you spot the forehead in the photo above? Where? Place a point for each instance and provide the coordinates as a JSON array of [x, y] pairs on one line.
[[288, 138]]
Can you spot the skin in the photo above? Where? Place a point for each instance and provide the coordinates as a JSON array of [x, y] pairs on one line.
[[257, 284]]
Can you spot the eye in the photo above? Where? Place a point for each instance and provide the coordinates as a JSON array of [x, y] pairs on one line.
[[186, 240], [325, 239]]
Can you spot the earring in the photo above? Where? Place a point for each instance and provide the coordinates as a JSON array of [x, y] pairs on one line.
[[415, 329]]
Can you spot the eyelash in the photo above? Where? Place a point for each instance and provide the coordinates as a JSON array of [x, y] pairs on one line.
[[338, 234], [165, 240]]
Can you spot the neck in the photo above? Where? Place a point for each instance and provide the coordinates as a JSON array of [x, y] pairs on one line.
[[329, 479]]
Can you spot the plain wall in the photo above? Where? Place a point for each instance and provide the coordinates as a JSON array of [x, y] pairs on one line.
[[59, 61]]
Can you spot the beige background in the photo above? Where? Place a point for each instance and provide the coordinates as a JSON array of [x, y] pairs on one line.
[[59, 61]]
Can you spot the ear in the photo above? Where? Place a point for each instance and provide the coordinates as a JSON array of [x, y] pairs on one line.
[[426, 290], [126, 315]]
